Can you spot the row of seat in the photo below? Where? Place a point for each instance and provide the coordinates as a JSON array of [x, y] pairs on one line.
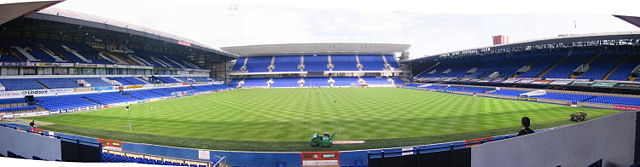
[[19, 108], [108, 157], [63, 102], [314, 81], [54, 83], [290, 63], [574, 98], [22, 50], [619, 64]]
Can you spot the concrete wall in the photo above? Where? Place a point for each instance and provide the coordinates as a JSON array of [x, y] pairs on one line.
[[610, 139], [29, 145]]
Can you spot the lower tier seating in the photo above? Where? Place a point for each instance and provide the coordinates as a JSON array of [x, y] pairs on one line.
[[574, 98]]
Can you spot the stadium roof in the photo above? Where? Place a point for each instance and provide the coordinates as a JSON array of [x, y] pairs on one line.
[[39, 10], [631, 19], [564, 40], [316, 48], [12, 10], [77, 18]]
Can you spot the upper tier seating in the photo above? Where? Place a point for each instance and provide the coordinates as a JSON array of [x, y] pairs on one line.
[[543, 62], [239, 63], [622, 72], [127, 80], [559, 64], [600, 66], [21, 84], [23, 50], [316, 63], [53, 83], [392, 61], [193, 79], [259, 64], [344, 62], [96, 82], [166, 80], [565, 68], [286, 63], [371, 62]]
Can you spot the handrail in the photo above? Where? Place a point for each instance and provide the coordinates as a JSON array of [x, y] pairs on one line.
[[451, 147], [57, 137]]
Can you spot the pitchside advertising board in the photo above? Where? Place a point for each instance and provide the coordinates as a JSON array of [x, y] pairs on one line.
[[22, 93], [328, 159]]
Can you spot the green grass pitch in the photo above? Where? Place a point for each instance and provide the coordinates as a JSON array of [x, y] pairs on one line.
[[284, 119]]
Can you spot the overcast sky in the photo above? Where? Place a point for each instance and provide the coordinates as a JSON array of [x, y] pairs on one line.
[[430, 28]]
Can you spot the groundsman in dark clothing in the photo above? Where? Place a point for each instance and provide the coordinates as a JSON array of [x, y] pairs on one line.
[[525, 127]]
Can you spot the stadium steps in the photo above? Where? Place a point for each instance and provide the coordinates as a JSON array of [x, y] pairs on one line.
[[553, 66], [14, 54], [61, 55], [41, 84], [85, 98], [618, 66], [593, 58], [538, 59], [129, 95], [587, 99]]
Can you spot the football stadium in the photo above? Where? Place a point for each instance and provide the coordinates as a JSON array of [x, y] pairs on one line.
[[78, 88]]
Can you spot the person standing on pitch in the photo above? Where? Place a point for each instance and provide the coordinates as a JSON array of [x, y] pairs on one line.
[[127, 108], [526, 122]]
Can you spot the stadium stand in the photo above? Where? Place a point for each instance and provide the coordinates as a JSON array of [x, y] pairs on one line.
[[54, 103], [391, 61], [542, 63], [239, 63], [115, 157], [128, 80], [628, 101], [285, 82], [371, 62], [258, 82], [316, 62], [625, 68], [21, 84], [603, 64], [258, 64], [345, 81], [600, 65], [344, 62], [286, 63], [316, 82], [564, 69], [23, 50], [376, 80]]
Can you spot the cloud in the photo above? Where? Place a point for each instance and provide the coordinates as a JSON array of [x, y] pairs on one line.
[[424, 26]]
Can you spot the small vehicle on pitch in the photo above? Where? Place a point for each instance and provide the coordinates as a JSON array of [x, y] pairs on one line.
[[324, 140], [579, 116]]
